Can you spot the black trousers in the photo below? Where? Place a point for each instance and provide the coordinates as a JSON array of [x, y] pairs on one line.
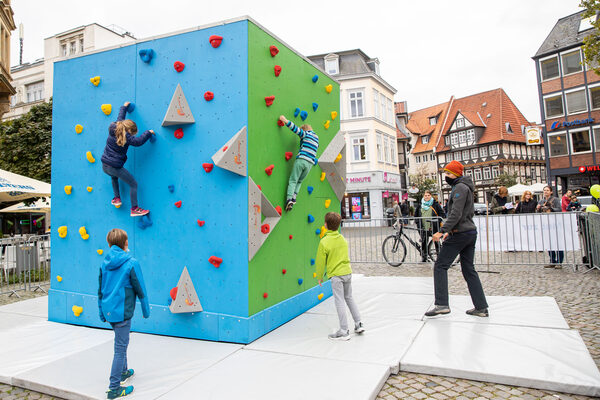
[[425, 236], [463, 244]]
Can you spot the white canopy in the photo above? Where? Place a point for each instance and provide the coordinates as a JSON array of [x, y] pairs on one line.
[[17, 187], [39, 206], [537, 187], [517, 190]]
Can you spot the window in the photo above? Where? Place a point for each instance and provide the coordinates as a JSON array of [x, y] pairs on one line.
[[478, 174], [418, 159], [63, 49], [457, 156], [470, 135], [462, 137], [376, 103], [483, 152], [460, 123], [386, 149], [554, 106], [393, 150], [576, 101], [580, 141], [508, 127], [359, 147], [13, 101], [356, 103], [72, 47], [469, 172], [465, 155], [494, 150], [382, 101], [425, 139], [595, 97], [379, 148], [474, 154], [487, 173], [390, 112], [533, 174], [543, 173], [81, 45], [432, 120], [586, 23], [449, 157], [431, 157], [34, 91], [571, 62], [495, 171], [596, 137], [332, 65], [558, 144], [549, 68], [453, 138]]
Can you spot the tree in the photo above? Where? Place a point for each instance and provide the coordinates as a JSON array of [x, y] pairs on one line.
[[26, 143], [591, 43], [506, 179], [423, 183]]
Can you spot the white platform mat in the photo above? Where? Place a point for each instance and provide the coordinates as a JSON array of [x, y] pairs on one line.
[[36, 307]]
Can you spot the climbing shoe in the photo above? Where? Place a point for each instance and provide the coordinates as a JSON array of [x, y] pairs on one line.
[[289, 204], [478, 313], [138, 212], [119, 392], [116, 202], [438, 310], [126, 375]]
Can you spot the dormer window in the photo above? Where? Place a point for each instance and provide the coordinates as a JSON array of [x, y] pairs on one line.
[[587, 23], [508, 128], [425, 139], [432, 120], [332, 64], [460, 123]]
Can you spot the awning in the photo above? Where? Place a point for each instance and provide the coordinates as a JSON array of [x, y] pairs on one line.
[[14, 187], [39, 206]]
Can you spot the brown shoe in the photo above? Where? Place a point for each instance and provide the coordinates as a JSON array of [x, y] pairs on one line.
[[558, 266], [549, 266]]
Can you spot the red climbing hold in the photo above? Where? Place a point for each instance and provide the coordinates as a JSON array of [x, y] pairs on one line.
[[178, 133], [179, 66], [269, 100], [216, 261], [280, 123], [208, 95], [269, 169], [265, 295], [288, 155], [265, 228], [200, 223], [291, 237], [178, 204], [215, 40], [277, 70], [173, 293], [225, 148], [207, 167], [283, 271], [274, 50], [278, 209]]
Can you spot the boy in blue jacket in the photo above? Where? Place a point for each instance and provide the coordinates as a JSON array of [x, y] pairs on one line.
[[121, 281]]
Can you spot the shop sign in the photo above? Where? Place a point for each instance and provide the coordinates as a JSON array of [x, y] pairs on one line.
[[389, 178], [565, 124], [589, 168], [359, 179], [533, 135]]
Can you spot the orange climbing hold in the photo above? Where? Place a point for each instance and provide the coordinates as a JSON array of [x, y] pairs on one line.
[[215, 40], [278, 209], [266, 228], [288, 155], [207, 167], [269, 100], [178, 204], [216, 261], [273, 50], [269, 169], [320, 296], [328, 88], [334, 114], [173, 293]]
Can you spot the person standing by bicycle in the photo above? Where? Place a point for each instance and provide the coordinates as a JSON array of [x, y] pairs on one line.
[[428, 215], [459, 234]]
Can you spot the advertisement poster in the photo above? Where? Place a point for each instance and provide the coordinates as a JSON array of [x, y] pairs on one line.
[[356, 208]]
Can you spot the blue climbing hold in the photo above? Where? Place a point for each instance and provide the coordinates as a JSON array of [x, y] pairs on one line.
[[315, 106], [171, 188], [318, 231], [300, 281], [315, 78], [146, 55], [145, 222], [152, 138], [312, 261], [310, 189], [130, 107], [296, 112], [169, 301], [303, 115], [311, 219]]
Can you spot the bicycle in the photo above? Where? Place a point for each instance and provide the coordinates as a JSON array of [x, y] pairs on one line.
[[394, 249]]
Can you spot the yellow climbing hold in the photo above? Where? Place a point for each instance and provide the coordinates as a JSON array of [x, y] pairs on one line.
[[327, 203], [338, 158], [89, 189], [320, 296], [77, 310], [90, 157], [96, 81], [328, 88], [314, 274], [322, 176], [99, 251], [68, 189], [323, 232], [106, 108], [62, 231], [78, 128], [326, 124], [59, 278], [83, 233], [333, 114]]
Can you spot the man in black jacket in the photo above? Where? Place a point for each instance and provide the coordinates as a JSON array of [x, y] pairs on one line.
[[459, 234]]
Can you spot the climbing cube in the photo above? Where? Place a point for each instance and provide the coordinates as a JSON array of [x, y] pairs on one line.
[[213, 248]]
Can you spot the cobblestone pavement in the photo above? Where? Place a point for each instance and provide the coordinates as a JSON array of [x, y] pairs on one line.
[[577, 294]]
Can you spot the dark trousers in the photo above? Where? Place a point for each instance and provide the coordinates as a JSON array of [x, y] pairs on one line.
[[463, 244], [119, 364], [556, 257], [125, 176], [425, 235]]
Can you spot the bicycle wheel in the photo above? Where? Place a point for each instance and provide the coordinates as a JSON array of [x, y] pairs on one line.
[[394, 250], [432, 251]]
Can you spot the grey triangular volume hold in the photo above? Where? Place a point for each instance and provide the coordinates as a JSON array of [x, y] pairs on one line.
[[186, 299], [259, 205], [233, 155], [334, 166], [179, 112]]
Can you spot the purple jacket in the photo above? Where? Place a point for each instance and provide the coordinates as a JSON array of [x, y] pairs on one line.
[[115, 155]]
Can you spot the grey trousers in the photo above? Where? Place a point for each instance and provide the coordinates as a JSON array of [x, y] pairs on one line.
[[341, 286]]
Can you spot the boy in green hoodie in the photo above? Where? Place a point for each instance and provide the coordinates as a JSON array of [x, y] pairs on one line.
[[332, 256]]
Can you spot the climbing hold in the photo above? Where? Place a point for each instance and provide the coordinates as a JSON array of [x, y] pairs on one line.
[[338, 158], [269, 169], [68, 189], [291, 237], [215, 40], [117, 205], [328, 88], [89, 157], [269, 100], [78, 128], [303, 115], [259, 188], [95, 80], [296, 112], [173, 293], [277, 69], [311, 219], [280, 122], [288, 155], [216, 261], [312, 261], [315, 78], [309, 189], [273, 50], [323, 232], [146, 55], [283, 271], [200, 223], [327, 203], [62, 231], [320, 296], [152, 138], [99, 251], [326, 124], [106, 108], [300, 281], [59, 278], [89, 189], [225, 149], [179, 66], [185, 300], [315, 106], [130, 107], [178, 204], [322, 176], [334, 114], [207, 167], [318, 231], [278, 209], [208, 95], [178, 133], [83, 233], [179, 111], [144, 222], [265, 228], [171, 188], [77, 310], [265, 295], [314, 274]]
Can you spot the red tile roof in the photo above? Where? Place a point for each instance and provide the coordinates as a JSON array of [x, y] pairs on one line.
[[418, 124]]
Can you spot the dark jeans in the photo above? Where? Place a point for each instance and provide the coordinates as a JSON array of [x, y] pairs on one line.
[[556, 257], [463, 244], [425, 235], [119, 364], [125, 176]]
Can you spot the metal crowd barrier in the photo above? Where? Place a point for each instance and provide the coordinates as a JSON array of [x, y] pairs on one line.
[[24, 264]]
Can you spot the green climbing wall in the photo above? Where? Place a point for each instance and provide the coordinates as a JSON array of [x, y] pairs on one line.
[[267, 144]]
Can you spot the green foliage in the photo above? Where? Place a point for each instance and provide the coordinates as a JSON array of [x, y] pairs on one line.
[[422, 183], [26, 143], [591, 43], [506, 179]]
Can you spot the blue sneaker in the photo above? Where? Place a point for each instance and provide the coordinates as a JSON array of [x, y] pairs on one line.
[[120, 392], [126, 375]]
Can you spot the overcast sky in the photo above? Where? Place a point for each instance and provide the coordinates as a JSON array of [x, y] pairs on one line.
[[428, 50]]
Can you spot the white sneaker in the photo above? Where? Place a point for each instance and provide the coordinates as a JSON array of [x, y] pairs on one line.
[[340, 335], [359, 328]]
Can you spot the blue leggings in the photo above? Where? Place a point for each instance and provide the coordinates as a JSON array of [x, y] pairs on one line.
[[125, 176]]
